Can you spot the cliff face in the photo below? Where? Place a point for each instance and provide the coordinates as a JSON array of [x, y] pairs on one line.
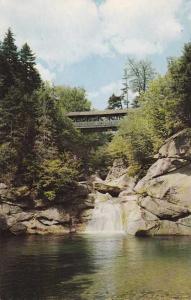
[[164, 194], [159, 203], [21, 212]]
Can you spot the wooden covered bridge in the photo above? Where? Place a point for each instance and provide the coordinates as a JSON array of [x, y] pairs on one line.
[[97, 120]]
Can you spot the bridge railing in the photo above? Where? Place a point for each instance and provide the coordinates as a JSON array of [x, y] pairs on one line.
[[97, 124]]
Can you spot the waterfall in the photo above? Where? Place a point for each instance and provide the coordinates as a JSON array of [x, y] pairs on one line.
[[107, 217]]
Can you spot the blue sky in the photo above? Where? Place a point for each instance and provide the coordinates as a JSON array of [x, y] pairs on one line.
[[86, 42]]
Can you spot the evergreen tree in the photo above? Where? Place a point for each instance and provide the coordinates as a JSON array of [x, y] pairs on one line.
[[5, 74], [9, 48], [180, 72], [29, 73], [18, 120], [9, 62], [37, 140], [115, 102]]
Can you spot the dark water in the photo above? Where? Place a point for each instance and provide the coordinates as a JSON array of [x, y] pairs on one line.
[[95, 267]]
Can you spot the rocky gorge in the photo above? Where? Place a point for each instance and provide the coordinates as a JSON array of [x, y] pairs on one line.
[[160, 202], [157, 204]]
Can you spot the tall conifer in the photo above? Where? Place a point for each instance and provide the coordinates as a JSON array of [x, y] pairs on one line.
[[29, 73]]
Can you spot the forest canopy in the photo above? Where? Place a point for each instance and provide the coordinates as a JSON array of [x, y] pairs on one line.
[[164, 109], [39, 146]]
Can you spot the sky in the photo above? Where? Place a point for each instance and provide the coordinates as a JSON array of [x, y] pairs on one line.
[[86, 43]]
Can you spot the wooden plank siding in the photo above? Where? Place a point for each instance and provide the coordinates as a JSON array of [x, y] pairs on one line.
[[97, 120]]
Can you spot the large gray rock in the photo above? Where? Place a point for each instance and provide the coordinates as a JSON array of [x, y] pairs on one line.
[[17, 221], [165, 165], [119, 176], [104, 187], [164, 194], [117, 170], [163, 209], [19, 217], [140, 222], [9, 209], [179, 145], [174, 187], [123, 182], [21, 212], [18, 229], [53, 214], [3, 186], [35, 226]]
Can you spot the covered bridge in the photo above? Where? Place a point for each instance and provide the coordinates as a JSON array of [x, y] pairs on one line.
[[95, 120]]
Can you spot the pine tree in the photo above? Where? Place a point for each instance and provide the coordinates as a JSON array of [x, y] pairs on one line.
[[180, 71], [115, 102], [5, 74], [29, 73], [36, 140], [9, 62], [18, 121], [9, 48]]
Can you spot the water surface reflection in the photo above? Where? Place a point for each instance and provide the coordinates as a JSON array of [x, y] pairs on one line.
[[95, 267]]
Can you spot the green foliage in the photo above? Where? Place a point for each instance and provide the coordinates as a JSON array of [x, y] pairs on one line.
[[133, 142], [115, 102], [165, 108], [17, 67], [7, 161], [162, 109], [18, 107], [100, 161], [37, 142], [50, 195], [72, 99], [134, 169], [90, 148], [18, 116], [29, 74], [9, 49], [135, 130], [144, 130], [118, 147], [39, 146], [180, 72], [56, 175]]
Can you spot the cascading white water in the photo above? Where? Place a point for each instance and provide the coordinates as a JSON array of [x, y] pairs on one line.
[[107, 217]]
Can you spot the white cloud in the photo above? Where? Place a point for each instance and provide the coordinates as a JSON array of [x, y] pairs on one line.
[[45, 73], [187, 10], [141, 26], [65, 31]]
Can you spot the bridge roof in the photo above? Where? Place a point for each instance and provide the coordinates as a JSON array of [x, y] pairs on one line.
[[98, 112]]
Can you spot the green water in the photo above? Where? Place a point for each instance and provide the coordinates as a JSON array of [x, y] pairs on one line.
[[95, 267]]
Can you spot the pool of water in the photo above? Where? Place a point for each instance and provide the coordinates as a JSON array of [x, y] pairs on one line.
[[95, 267]]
